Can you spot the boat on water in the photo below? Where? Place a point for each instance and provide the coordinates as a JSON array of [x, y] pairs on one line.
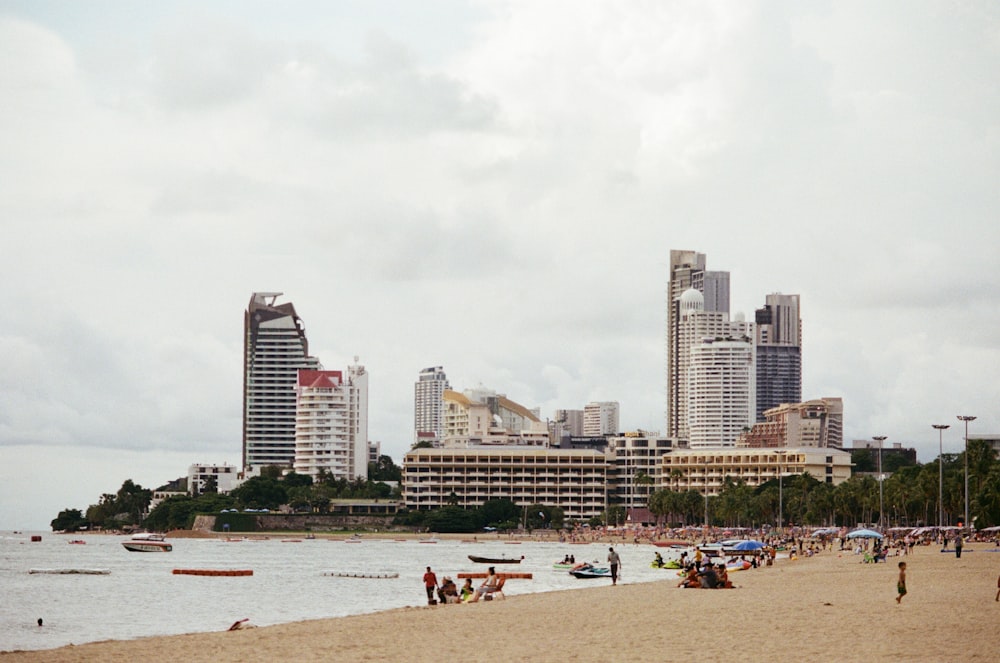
[[496, 560], [147, 542], [78, 542], [590, 571]]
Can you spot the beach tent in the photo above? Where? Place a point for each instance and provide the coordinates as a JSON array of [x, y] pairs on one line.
[[864, 534]]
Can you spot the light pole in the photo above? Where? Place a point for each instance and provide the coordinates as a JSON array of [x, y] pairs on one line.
[[880, 439], [781, 515], [966, 419], [940, 429]]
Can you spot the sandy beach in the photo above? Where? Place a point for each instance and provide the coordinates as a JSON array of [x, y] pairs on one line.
[[828, 607]]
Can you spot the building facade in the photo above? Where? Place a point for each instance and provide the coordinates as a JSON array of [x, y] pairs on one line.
[[570, 421], [275, 348], [720, 391], [484, 418], [600, 419], [815, 423], [687, 272], [779, 353], [636, 459], [575, 481], [428, 404], [331, 424], [705, 470], [223, 477]]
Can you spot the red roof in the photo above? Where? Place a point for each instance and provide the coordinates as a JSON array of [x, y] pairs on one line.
[[322, 379]]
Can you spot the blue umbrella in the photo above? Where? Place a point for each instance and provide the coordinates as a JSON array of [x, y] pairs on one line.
[[864, 534], [748, 545]]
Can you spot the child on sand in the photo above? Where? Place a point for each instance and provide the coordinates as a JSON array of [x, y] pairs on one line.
[[901, 583]]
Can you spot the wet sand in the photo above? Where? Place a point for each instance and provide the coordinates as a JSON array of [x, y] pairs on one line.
[[828, 607]]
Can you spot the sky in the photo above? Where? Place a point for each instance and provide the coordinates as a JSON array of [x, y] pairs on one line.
[[491, 187]]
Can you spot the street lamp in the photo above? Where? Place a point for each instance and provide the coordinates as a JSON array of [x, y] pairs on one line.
[[781, 515], [880, 439], [940, 429], [966, 419]]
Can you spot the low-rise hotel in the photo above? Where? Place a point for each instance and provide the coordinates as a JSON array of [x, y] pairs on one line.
[[705, 470], [574, 480]]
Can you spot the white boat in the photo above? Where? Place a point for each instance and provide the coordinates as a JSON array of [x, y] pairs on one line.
[[147, 542]]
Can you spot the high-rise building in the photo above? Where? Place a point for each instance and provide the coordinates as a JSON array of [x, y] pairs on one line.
[[331, 423], [428, 404], [779, 353], [687, 272], [600, 419], [274, 350], [720, 391], [696, 325]]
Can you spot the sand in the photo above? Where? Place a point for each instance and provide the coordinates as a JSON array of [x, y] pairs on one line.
[[824, 608]]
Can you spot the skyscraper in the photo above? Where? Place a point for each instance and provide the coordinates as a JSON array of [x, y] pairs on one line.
[[687, 272], [720, 391], [428, 404], [779, 353], [274, 349]]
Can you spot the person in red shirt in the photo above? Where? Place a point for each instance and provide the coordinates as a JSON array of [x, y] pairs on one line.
[[430, 584]]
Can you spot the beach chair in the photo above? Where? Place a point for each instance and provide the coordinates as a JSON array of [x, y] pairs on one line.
[[491, 592]]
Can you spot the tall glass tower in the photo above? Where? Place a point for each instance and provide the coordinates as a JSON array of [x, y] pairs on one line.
[[779, 353]]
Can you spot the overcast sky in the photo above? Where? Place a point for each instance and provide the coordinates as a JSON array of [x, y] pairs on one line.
[[493, 187]]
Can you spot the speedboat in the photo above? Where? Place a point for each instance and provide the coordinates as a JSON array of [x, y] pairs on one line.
[[147, 542]]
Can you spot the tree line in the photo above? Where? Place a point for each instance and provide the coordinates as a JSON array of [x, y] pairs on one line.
[[270, 490], [909, 498]]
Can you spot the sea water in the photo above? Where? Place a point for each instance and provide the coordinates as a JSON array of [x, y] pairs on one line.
[[141, 596]]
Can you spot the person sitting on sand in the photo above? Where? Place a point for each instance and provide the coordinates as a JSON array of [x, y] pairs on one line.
[[724, 582], [448, 592], [691, 578], [467, 590], [709, 578]]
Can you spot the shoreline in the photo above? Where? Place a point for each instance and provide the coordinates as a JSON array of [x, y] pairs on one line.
[[827, 605]]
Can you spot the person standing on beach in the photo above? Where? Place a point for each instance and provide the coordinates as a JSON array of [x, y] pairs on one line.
[[615, 561], [430, 584], [958, 545], [901, 583]]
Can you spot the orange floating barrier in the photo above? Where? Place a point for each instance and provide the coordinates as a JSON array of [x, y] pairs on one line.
[[213, 572], [500, 576]]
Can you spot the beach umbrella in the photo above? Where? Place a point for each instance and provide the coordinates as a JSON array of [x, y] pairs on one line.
[[864, 534], [748, 545]]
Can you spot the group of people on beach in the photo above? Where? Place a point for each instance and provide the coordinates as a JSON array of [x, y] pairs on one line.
[[448, 592]]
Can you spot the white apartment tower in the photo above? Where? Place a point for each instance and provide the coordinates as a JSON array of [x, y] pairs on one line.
[[600, 419], [721, 399], [687, 271], [694, 327], [274, 350], [428, 404], [331, 423]]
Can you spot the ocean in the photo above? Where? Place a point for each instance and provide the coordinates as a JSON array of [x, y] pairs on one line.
[[142, 597]]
